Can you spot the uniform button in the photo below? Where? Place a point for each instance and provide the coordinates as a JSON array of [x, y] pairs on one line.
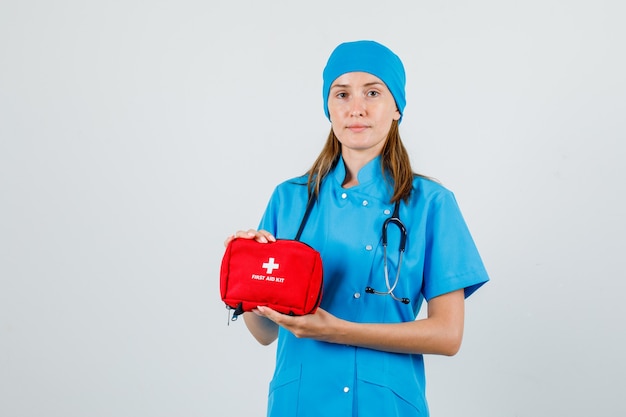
[[346, 389], [344, 196], [387, 212], [357, 295], [368, 247], [365, 203]]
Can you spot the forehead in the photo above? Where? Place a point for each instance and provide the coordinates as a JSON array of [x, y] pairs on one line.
[[356, 79]]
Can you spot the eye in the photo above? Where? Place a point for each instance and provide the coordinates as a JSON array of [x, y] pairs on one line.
[[341, 95], [373, 93]]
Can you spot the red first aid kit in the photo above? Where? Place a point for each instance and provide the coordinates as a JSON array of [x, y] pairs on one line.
[[285, 275]]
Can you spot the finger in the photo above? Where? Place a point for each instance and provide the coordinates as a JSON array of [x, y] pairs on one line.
[[236, 235], [261, 236], [268, 312], [266, 236], [262, 310], [256, 235], [229, 239], [244, 234]]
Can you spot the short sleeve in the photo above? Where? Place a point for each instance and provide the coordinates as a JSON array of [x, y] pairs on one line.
[[285, 208], [452, 260], [269, 219]]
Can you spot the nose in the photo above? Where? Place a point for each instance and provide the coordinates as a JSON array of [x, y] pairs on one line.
[[358, 107]]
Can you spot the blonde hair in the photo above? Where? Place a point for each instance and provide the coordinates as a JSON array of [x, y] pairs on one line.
[[395, 164]]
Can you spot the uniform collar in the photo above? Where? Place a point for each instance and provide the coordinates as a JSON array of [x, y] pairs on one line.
[[370, 178]]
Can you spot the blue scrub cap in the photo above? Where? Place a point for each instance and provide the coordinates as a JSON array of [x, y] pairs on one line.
[[370, 57]]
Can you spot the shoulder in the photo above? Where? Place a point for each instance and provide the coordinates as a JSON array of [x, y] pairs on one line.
[[424, 187], [430, 196], [290, 188], [294, 183]]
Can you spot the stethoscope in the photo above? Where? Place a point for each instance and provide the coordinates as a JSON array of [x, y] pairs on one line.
[[394, 219]]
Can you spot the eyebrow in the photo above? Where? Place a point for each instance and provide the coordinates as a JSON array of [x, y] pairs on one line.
[[348, 85]]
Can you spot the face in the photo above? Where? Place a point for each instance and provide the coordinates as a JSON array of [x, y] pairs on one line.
[[361, 110]]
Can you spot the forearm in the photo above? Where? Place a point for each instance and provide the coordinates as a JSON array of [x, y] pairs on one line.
[[264, 330], [427, 336], [440, 333]]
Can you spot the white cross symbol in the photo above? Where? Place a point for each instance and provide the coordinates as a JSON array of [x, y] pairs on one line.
[[270, 266]]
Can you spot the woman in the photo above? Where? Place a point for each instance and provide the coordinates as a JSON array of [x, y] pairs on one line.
[[360, 354]]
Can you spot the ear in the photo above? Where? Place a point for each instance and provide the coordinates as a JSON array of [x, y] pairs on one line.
[[396, 115]]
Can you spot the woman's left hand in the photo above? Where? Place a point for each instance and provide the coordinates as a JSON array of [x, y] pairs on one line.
[[320, 326]]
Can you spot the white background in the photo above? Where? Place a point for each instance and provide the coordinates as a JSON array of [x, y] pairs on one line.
[[136, 135]]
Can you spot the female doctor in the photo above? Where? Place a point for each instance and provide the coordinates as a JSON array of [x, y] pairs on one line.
[[360, 354]]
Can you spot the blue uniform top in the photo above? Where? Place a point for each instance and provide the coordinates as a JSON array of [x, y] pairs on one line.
[[320, 379]]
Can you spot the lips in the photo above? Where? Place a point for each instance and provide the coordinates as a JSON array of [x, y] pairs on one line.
[[357, 128]]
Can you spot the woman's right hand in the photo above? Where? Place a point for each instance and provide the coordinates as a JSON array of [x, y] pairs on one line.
[[261, 236]]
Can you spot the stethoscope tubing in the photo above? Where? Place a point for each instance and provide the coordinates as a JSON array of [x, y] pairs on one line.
[[393, 219]]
